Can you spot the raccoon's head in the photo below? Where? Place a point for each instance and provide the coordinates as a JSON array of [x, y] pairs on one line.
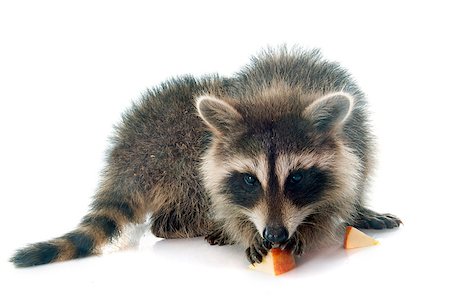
[[277, 161]]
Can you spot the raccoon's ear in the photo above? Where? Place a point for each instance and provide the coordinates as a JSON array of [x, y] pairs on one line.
[[219, 115], [330, 111]]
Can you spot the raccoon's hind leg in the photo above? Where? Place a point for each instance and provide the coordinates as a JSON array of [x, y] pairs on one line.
[[173, 224], [217, 236], [179, 212], [170, 225], [369, 219]]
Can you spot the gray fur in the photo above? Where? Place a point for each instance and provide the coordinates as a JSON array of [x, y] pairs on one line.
[[171, 147]]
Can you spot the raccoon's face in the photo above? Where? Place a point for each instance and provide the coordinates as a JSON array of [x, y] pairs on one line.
[[278, 165]]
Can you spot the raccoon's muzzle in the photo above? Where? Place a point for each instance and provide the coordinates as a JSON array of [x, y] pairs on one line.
[[276, 234]]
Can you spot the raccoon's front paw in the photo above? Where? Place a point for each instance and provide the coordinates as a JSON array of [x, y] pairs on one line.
[[257, 250], [369, 219], [294, 244]]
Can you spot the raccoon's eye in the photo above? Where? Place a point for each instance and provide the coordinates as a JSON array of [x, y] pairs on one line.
[[295, 178], [250, 179]]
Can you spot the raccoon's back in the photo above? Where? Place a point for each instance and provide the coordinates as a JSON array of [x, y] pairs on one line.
[[161, 135], [298, 67]]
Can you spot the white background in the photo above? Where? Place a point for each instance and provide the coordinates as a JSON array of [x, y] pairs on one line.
[[69, 69]]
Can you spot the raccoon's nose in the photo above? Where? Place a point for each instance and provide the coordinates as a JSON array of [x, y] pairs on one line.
[[276, 234]]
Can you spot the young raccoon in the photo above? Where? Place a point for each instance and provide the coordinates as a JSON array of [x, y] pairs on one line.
[[278, 155]]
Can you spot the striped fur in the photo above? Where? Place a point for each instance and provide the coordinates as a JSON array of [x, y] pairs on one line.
[[217, 157]]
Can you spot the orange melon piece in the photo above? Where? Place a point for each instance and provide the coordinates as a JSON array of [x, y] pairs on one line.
[[276, 262], [354, 238]]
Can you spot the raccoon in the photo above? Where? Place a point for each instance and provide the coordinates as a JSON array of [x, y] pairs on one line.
[[279, 155]]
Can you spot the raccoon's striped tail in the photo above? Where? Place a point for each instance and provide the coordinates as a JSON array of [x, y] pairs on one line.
[[99, 227]]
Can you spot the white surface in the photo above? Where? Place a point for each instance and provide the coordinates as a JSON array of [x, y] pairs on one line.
[[67, 71]]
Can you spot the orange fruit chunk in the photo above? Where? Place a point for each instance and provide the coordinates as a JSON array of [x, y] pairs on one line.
[[354, 238], [276, 262]]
